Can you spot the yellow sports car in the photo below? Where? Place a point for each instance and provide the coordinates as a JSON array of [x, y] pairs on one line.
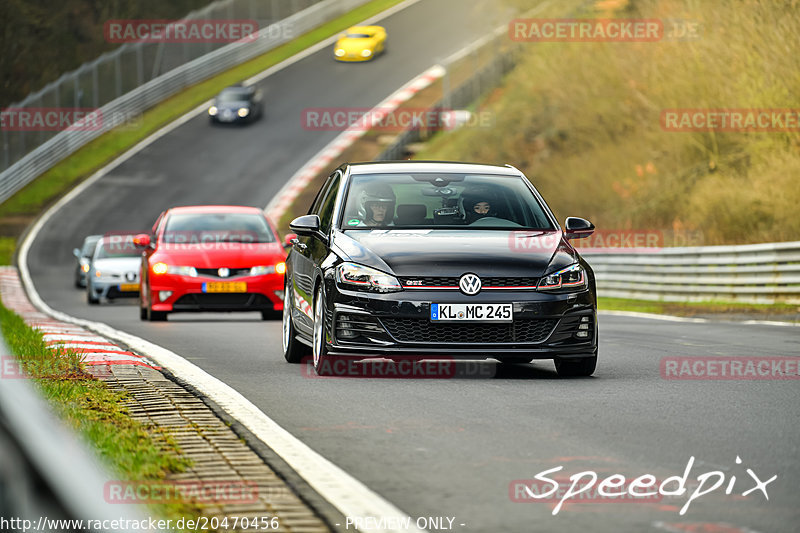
[[360, 43]]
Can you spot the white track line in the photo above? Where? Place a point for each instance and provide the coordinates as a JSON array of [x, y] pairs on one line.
[[350, 496], [672, 318]]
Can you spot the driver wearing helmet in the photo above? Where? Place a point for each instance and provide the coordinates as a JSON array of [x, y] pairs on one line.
[[477, 205], [377, 204]]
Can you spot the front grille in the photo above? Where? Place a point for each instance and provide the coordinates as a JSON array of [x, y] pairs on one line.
[[223, 300], [212, 272], [420, 330], [488, 282]]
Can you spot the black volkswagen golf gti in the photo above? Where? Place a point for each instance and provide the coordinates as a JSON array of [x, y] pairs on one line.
[[437, 260]]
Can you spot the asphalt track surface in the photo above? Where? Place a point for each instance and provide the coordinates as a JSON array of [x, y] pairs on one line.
[[449, 447]]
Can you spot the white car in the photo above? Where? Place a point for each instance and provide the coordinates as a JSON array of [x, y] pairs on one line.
[[114, 271]]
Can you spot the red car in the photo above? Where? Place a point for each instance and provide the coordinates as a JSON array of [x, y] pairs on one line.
[[211, 258]]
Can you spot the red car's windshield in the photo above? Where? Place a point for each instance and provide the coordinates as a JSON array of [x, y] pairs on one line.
[[193, 228]]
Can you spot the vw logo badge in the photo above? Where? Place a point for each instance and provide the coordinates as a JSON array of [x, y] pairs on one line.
[[469, 284], [130, 276], [223, 272]]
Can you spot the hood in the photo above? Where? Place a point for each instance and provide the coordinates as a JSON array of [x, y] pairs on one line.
[[454, 252], [216, 255], [233, 105], [355, 45]]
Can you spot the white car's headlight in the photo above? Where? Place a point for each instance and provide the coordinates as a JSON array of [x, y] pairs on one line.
[[243, 112], [361, 277], [213, 110], [182, 271], [572, 277], [366, 53], [339, 52]]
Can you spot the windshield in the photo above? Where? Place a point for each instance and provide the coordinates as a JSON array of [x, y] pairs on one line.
[[88, 246], [358, 35], [116, 246], [227, 97], [442, 200], [196, 228]]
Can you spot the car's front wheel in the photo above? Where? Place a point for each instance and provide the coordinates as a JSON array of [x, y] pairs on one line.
[[90, 297], [293, 350], [321, 363], [572, 368]]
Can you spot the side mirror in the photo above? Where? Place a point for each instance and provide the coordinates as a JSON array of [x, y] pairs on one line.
[[141, 241], [305, 225], [289, 240], [578, 228], [77, 252]]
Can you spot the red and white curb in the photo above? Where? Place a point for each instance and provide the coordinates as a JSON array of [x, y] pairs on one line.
[[300, 180], [94, 349]]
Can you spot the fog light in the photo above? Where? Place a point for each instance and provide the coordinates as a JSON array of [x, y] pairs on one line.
[[582, 334], [584, 326], [164, 295]]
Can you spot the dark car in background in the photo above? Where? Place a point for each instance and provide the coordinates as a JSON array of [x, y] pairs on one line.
[[237, 104], [437, 260], [83, 257]]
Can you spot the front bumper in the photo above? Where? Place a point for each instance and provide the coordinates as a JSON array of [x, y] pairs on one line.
[[544, 326], [263, 293], [113, 289]]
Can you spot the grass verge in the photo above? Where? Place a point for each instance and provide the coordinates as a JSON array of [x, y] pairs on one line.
[[689, 309], [19, 210], [131, 450]]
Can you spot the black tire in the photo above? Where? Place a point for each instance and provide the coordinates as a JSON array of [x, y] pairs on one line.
[[321, 359], [90, 298], [574, 368], [156, 316], [271, 315], [142, 313], [294, 351]]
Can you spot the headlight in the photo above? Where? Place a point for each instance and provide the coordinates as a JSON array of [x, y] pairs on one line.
[[182, 271], [261, 270], [365, 278], [85, 267], [213, 110], [243, 112], [339, 52], [366, 53], [572, 277]]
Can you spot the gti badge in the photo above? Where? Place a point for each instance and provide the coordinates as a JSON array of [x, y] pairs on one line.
[[469, 284], [223, 272]]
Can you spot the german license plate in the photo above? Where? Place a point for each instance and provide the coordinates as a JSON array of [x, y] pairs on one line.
[[128, 287], [472, 312], [225, 286]]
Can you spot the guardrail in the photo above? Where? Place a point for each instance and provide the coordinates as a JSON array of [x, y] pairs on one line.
[[754, 273], [18, 174], [47, 475]]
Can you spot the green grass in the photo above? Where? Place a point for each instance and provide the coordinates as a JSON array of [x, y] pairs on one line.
[[131, 450], [49, 186], [582, 120], [696, 308], [7, 245]]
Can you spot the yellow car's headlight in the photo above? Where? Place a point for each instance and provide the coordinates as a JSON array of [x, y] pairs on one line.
[[366, 53], [339, 52]]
